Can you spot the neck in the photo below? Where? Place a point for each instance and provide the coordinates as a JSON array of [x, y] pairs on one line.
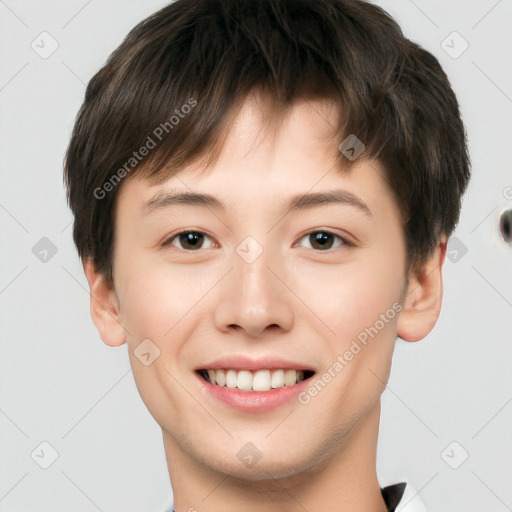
[[347, 481]]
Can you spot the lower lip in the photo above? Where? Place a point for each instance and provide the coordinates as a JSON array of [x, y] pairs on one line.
[[254, 401]]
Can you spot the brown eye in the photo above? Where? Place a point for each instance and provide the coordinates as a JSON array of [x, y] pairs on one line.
[[187, 240], [325, 240]]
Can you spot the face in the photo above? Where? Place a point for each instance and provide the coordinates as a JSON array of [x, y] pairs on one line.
[[244, 289]]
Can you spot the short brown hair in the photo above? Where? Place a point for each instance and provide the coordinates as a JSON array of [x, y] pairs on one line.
[[209, 55]]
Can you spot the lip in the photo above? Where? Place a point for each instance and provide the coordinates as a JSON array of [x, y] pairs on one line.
[[240, 363], [252, 401]]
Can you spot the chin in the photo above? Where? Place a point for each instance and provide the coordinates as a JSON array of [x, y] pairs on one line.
[[270, 463]]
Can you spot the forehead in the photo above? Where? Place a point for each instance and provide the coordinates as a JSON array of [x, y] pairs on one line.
[[261, 160], [310, 122]]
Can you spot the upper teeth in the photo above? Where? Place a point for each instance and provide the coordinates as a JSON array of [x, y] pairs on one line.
[[261, 380]]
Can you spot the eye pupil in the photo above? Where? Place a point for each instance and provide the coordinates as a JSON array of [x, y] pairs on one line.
[[191, 238], [322, 238]]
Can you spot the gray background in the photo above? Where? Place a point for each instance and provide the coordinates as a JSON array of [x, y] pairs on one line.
[[61, 385]]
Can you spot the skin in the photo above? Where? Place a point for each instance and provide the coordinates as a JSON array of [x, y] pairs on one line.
[[296, 301]]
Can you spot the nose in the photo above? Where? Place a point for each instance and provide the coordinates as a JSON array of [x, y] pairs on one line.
[[254, 298]]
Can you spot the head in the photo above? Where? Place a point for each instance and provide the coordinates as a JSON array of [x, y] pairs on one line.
[[252, 102]]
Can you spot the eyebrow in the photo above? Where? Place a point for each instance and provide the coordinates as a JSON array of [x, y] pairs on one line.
[[167, 199]]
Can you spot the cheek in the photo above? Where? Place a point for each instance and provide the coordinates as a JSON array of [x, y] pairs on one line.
[[154, 300], [359, 303], [352, 296], [146, 309], [159, 305]]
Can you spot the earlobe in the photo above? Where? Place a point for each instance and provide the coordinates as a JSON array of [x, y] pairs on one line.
[[104, 307], [423, 299]]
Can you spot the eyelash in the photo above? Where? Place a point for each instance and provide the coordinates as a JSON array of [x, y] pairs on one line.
[[345, 242]]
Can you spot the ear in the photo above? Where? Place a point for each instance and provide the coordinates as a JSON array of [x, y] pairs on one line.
[[104, 307], [423, 298]]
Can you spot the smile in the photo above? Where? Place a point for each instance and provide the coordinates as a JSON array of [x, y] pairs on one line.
[[259, 380]]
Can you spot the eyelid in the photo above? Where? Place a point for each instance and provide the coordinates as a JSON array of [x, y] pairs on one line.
[[168, 240], [346, 241]]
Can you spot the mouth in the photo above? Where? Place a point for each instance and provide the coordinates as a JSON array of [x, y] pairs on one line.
[[259, 380]]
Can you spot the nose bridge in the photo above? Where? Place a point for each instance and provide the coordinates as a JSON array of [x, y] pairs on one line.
[[256, 282], [255, 299]]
